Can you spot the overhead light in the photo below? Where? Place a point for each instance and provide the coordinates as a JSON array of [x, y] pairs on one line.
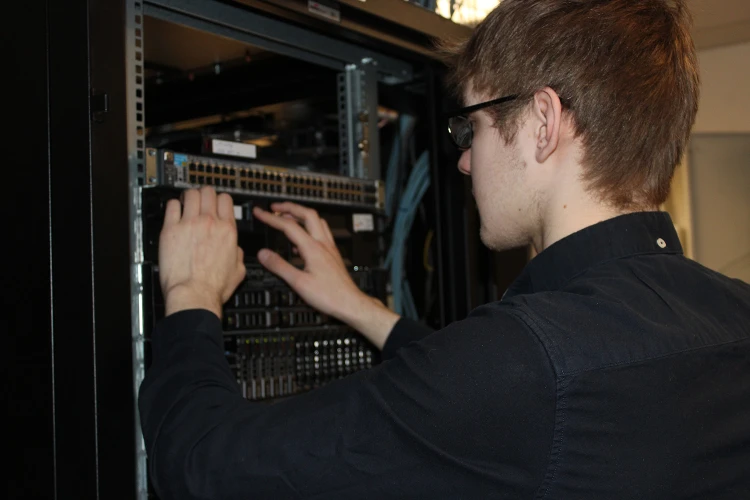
[[469, 12]]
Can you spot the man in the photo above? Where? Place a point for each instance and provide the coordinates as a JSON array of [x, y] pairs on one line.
[[613, 367]]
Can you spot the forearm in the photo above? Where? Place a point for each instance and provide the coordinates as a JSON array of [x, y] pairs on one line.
[[371, 318], [188, 389]]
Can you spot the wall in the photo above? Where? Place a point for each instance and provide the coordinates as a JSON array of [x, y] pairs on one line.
[[718, 170], [725, 80]]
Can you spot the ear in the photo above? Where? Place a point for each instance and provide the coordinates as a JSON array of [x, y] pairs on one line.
[[547, 110]]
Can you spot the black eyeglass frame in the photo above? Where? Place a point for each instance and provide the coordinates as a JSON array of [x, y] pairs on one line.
[[476, 107], [464, 112]]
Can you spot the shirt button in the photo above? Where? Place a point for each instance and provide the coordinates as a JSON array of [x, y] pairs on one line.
[[661, 243]]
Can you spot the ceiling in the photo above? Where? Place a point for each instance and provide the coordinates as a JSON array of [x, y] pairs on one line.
[[720, 22]]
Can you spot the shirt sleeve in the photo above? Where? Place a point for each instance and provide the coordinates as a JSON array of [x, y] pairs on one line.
[[465, 412], [404, 331]]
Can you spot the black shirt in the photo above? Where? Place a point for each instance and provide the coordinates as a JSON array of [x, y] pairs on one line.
[[614, 367]]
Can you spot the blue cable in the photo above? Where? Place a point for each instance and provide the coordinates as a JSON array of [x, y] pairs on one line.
[[416, 187], [396, 161]]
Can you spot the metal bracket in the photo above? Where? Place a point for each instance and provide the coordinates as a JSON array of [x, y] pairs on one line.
[[359, 138], [136, 164]]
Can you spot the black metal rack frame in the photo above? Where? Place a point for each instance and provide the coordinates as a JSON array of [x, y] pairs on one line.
[[81, 138]]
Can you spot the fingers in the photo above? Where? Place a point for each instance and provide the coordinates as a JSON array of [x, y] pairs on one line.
[[208, 201], [226, 208], [191, 203], [277, 265], [172, 213], [289, 227], [241, 270], [309, 218], [327, 231]]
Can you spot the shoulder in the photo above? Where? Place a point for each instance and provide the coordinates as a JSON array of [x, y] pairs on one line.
[[493, 341]]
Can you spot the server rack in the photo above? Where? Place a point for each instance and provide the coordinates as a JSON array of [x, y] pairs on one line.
[[90, 356]]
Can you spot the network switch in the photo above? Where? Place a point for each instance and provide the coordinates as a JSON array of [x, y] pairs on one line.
[[283, 364], [171, 169], [276, 345]]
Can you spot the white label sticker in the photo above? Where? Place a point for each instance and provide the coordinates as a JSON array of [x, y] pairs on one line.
[[238, 212], [230, 148], [363, 222], [327, 11]]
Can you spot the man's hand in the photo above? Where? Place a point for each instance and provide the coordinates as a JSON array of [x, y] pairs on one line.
[[200, 264], [324, 283]]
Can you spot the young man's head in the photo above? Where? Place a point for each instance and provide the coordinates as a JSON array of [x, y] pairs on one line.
[[602, 95]]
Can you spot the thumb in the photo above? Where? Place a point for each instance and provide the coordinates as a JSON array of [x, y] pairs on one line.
[[280, 267]]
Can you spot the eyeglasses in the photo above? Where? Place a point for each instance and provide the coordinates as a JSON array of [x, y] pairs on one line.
[[461, 128]]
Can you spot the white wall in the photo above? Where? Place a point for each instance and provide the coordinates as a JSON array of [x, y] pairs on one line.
[[725, 89], [719, 166]]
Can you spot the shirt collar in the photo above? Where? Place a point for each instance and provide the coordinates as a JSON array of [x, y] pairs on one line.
[[623, 236]]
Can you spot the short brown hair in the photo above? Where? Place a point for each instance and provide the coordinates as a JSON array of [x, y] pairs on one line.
[[626, 68]]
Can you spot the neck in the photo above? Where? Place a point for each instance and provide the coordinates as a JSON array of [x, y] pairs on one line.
[[566, 215]]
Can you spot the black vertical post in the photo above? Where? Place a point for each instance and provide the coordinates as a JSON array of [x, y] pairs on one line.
[[112, 257], [25, 320], [76, 460], [449, 184]]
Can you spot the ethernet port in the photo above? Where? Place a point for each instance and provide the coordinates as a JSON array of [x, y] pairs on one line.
[[225, 182], [192, 167], [243, 172], [192, 179], [232, 172], [224, 170], [201, 179], [201, 167], [233, 183], [209, 169]]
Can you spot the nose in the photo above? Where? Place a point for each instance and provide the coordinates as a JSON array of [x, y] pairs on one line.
[[464, 162]]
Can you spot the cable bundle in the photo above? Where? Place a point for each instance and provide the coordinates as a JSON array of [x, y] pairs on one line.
[[416, 186], [397, 161]]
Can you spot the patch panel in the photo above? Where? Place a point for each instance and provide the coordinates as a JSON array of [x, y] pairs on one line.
[[189, 171]]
